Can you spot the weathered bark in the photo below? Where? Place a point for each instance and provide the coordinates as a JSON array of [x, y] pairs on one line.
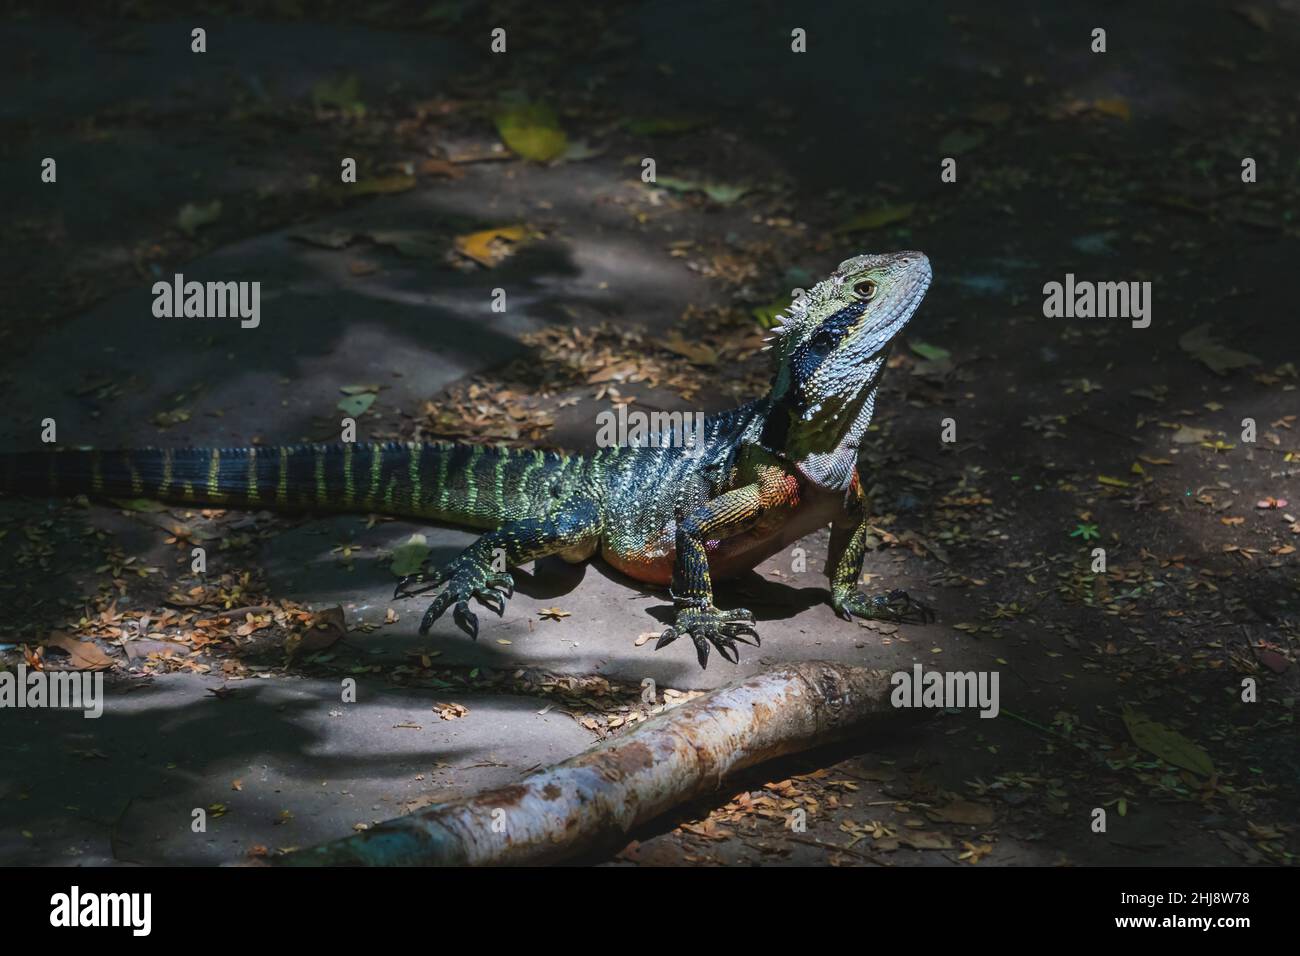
[[592, 801]]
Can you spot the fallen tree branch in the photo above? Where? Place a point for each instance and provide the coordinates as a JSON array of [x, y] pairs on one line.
[[593, 800]]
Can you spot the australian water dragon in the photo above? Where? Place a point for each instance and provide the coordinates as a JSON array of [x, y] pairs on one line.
[[765, 475]]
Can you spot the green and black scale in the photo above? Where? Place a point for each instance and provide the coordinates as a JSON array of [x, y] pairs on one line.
[[480, 486]]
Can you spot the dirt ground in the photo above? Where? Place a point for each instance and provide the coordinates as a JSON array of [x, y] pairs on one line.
[[1071, 434]]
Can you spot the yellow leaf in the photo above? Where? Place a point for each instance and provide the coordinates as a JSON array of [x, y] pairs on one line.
[[384, 184], [1113, 482], [1113, 106], [488, 247], [532, 131]]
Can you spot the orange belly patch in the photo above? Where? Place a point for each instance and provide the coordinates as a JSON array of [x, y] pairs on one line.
[[734, 555]]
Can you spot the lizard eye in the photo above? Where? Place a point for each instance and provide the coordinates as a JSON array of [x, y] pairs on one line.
[[864, 290]]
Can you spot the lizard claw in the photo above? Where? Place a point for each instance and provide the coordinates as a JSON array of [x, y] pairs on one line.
[[466, 619], [466, 581], [405, 587], [435, 611], [502, 581], [709, 627], [895, 605]]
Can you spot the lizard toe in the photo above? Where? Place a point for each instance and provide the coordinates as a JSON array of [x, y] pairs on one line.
[[435, 611], [701, 649], [492, 599], [502, 581], [726, 646], [466, 619]]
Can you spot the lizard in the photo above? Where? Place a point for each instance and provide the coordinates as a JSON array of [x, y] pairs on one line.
[[760, 477]]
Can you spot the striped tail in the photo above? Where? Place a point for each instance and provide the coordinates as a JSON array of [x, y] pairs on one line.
[[473, 485]]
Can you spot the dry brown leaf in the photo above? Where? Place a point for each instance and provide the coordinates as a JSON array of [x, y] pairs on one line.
[[696, 352], [963, 811], [440, 167], [82, 655]]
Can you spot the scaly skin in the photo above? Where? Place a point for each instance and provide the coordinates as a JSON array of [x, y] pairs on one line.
[[764, 475]]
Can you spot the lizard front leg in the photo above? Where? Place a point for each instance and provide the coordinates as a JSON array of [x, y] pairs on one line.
[[692, 590], [479, 571], [844, 568]]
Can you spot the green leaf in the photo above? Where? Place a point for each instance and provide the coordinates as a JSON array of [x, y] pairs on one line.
[[398, 183], [931, 352], [532, 131], [875, 218], [1085, 531], [1209, 351], [722, 193], [341, 92], [325, 237], [139, 504], [409, 556], [193, 217], [356, 405], [766, 314], [411, 243], [579, 150], [1167, 744], [958, 142], [663, 125]]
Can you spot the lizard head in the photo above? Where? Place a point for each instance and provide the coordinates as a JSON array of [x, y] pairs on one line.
[[831, 349]]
